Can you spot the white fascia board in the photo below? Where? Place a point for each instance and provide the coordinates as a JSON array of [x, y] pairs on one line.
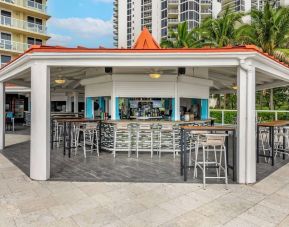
[[195, 80], [144, 78], [271, 67], [96, 80], [12, 70], [143, 59]]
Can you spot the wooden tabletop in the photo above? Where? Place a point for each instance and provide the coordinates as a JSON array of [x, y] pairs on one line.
[[78, 120], [209, 128], [279, 123]]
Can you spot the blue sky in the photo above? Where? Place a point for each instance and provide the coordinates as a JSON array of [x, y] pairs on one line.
[[80, 22]]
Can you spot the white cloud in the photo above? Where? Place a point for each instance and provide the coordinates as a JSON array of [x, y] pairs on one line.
[[59, 40], [86, 28]]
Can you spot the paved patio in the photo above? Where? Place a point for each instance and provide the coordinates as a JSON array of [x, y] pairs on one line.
[[107, 169], [24, 202]]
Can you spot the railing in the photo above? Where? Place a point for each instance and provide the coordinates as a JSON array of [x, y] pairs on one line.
[[28, 4], [173, 11], [206, 1], [173, 20], [21, 24], [230, 116], [173, 1], [13, 46]]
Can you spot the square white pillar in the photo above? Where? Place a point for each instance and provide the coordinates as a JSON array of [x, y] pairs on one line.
[[246, 144], [40, 122], [2, 116], [68, 104], [75, 100]]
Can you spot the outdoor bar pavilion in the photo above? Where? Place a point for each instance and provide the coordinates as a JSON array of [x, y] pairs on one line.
[[177, 76]]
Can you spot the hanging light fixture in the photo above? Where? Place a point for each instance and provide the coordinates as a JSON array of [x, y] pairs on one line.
[[60, 80], [155, 75], [234, 86]]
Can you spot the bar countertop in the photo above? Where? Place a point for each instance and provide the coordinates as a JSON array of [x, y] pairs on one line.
[[157, 121], [279, 123], [210, 128]]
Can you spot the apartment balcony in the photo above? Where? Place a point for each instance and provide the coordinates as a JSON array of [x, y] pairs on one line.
[[173, 21], [206, 11], [17, 24], [174, 2], [147, 15], [115, 44], [206, 2], [173, 11], [11, 46], [28, 4]]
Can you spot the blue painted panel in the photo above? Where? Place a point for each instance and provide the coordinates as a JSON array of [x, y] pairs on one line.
[[173, 109], [205, 109], [89, 108], [117, 108], [101, 103]]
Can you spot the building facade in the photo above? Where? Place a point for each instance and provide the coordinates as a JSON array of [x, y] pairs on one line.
[[23, 23], [247, 5], [158, 16]]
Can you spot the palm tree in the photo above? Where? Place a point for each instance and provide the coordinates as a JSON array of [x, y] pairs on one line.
[[269, 29], [182, 38], [222, 31]]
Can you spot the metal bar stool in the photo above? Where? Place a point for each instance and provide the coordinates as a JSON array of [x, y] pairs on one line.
[[213, 143], [144, 140], [90, 138], [122, 138], [167, 140]]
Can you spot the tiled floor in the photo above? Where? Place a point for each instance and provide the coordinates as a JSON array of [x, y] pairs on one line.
[[107, 169], [24, 202]]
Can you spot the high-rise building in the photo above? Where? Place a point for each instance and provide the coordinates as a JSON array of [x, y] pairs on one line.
[[23, 23], [247, 5], [159, 16]]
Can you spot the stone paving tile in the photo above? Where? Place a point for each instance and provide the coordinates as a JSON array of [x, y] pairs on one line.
[[24, 202], [37, 218], [265, 213], [285, 222], [98, 216], [7, 222]]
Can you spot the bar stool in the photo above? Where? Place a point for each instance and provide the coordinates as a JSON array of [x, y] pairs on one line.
[[90, 138], [265, 144], [282, 140], [58, 133], [122, 138], [144, 140], [167, 139], [194, 144], [212, 143]]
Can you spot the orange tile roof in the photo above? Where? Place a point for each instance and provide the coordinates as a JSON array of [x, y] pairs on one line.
[[146, 41], [145, 44]]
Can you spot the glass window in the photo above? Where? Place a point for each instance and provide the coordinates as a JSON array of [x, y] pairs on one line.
[[5, 59]]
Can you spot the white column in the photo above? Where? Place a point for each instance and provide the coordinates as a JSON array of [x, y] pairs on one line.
[[75, 98], [29, 103], [2, 116], [40, 122], [177, 103], [246, 143], [68, 104]]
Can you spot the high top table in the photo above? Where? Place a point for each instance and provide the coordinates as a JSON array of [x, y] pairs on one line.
[[271, 125], [184, 152], [67, 122]]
